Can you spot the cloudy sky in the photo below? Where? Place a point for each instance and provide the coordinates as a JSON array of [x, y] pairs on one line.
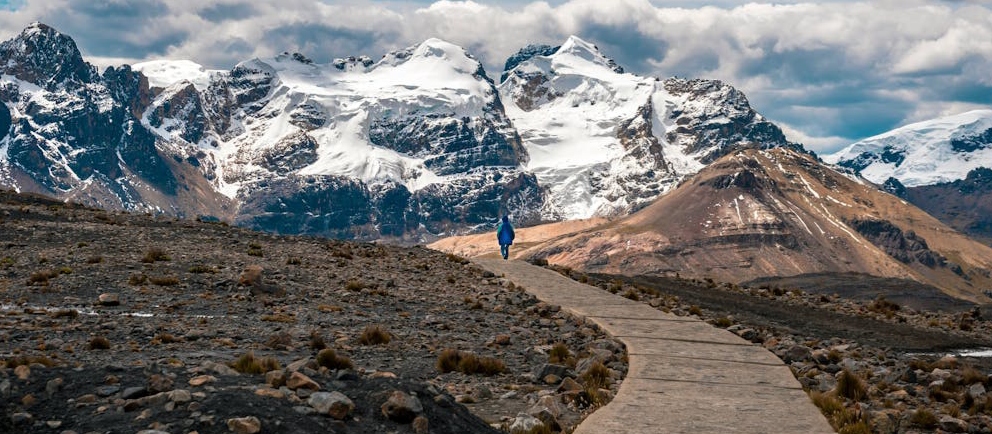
[[829, 72]]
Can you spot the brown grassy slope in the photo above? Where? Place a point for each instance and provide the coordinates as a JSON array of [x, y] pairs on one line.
[[755, 214]]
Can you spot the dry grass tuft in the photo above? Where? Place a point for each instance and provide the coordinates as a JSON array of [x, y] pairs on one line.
[[155, 254], [164, 280], [448, 360], [559, 354], [374, 335], [598, 376], [331, 360], [99, 343], [279, 317], [317, 341], [851, 386], [468, 363], [248, 363], [41, 278], [924, 418]]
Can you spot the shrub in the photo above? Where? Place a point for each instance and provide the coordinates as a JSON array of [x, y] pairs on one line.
[[723, 322], [40, 278], [317, 341], [355, 285], [165, 338], [859, 427], [632, 294], [99, 343], [331, 360], [155, 254], [374, 335], [164, 280], [970, 375], [255, 249], [559, 353], [94, 259], [294, 261], [924, 418], [64, 313], [137, 279], [457, 259], [279, 341], [851, 386], [200, 269], [597, 376], [448, 360], [695, 310], [249, 364]]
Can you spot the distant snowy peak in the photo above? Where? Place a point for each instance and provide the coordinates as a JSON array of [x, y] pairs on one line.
[[165, 73], [42, 56], [924, 153], [576, 48]]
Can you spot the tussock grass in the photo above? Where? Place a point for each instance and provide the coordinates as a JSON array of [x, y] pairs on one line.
[[164, 280], [559, 354], [851, 386], [598, 375], [924, 418], [374, 335], [331, 360], [248, 363], [468, 363], [99, 343], [155, 254]]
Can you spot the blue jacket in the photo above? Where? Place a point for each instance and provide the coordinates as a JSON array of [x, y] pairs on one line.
[[504, 233]]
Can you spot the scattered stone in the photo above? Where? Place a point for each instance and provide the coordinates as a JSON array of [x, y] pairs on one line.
[[109, 299], [244, 425], [21, 418], [276, 378], [5, 388], [180, 396], [200, 380], [105, 391], [298, 380], [54, 385], [976, 391], [53, 424], [22, 372], [269, 392], [335, 404], [401, 407], [134, 392], [525, 423], [421, 425], [218, 368], [953, 424], [159, 383], [569, 385]]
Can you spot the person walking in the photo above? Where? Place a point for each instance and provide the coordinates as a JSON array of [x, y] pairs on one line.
[[505, 235]]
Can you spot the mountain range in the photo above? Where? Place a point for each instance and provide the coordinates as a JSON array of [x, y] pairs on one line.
[[417, 144]]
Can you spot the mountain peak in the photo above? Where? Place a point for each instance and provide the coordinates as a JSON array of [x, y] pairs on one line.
[[577, 47], [923, 153], [44, 56]]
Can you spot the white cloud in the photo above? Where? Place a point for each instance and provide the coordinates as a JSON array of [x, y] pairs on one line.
[[829, 71]]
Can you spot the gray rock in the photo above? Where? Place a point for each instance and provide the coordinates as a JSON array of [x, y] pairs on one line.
[[109, 299], [55, 384], [976, 391], [5, 388], [21, 418], [134, 392], [401, 407], [105, 391], [525, 423], [953, 424], [559, 371], [335, 404], [180, 396], [797, 353]]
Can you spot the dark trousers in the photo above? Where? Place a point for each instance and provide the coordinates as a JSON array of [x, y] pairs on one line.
[[504, 249]]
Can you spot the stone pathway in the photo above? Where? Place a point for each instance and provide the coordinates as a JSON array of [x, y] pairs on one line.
[[685, 375]]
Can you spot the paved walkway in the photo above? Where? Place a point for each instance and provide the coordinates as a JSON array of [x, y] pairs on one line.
[[685, 375]]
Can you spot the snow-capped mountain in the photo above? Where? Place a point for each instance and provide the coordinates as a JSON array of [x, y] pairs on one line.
[[604, 142], [924, 153], [413, 145]]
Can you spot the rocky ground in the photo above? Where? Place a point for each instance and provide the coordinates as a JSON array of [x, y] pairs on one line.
[[871, 366], [113, 322]]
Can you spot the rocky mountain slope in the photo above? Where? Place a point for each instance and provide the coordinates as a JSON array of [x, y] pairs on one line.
[[963, 204], [923, 153], [778, 212], [116, 322], [604, 142], [414, 145]]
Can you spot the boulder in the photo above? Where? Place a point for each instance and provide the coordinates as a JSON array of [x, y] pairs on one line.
[[298, 380], [109, 299], [524, 423], [335, 404], [401, 407], [244, 425]]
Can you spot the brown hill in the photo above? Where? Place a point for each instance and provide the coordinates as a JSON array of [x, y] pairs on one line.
[[755, 214]]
